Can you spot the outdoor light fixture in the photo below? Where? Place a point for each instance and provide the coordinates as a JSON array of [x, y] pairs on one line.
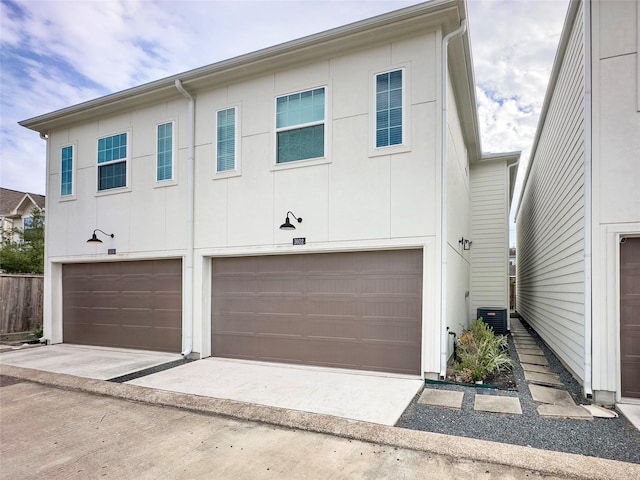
[[95, 239], [287, 225], [466, 243]]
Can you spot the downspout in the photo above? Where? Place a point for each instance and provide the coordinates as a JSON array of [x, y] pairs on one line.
[[47, 324], [188, 267], [444, 341], [510, 196], [588, 303]]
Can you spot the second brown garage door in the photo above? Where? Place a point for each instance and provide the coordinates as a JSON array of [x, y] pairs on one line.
[[358, 310], [123, 304], [630, 317]]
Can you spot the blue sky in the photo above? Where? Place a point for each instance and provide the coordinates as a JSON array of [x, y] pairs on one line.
[[57, 53]]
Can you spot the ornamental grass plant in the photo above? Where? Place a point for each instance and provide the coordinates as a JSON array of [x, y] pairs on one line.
[[481, 353]]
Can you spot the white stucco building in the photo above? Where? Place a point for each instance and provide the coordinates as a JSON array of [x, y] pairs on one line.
[[367, 132], [578, 222]]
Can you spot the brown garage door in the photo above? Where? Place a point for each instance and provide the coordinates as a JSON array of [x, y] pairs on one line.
[[630, 316], [359, 310], [124, 304]]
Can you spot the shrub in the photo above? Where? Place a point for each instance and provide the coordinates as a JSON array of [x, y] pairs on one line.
[[481, 353]]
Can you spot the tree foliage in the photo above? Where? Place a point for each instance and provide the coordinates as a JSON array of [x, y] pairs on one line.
[[25, 255]]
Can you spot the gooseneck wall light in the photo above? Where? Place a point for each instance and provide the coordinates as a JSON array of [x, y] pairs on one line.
[[287, 225], [95, 239]]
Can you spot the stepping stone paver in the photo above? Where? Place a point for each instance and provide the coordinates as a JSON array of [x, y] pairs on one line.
[[441, 398], [534, 359], [542, 378], [529, 367], [529, 351], [600, 412], [564, 411], [492, 403], [551, 396]]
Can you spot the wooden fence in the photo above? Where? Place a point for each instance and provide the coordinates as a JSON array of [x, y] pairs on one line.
[[20, 303]]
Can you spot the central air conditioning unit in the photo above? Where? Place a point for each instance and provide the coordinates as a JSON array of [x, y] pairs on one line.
[[496, 318]]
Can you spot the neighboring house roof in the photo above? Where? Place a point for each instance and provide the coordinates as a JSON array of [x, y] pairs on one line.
[[445, 13], [13, 202]]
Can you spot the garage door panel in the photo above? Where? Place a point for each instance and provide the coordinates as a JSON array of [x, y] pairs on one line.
[[357, 310], [630, 317], [134, 304]]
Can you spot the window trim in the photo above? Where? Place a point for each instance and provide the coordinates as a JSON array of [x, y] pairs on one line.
[[405, 146], [74, 149], [174, 155], [127, 160], [325, 122], [237, 170]]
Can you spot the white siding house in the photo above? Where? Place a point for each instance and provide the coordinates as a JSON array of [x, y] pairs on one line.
[[191, 178], [578, 220], [492, 181]]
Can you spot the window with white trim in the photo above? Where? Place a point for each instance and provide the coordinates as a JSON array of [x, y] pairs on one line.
[[164, 151], [389, 109], [226, 128], [300, 119], [112, 161], [66, 171]]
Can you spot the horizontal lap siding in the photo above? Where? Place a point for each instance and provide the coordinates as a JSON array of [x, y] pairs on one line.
[[489, 233], [550, 224]]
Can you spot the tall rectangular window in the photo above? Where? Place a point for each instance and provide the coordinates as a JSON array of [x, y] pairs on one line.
[[112, 162], [300, 126], [66, 171], [389, 115], [226, 140], [164, 152]]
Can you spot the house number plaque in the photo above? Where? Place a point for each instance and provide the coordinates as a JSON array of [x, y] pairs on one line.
[[299, 241]]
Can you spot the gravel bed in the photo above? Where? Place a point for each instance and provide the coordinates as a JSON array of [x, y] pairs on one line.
[[614, 438]]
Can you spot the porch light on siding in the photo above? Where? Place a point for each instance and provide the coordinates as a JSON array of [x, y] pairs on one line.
[[466, 243], [95, 239], [287, 225]]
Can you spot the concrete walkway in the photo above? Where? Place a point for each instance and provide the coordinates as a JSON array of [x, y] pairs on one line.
[[93, 434], [544, 385]]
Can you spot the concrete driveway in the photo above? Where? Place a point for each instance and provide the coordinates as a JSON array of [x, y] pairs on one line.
[[85, 361], [356, 395]]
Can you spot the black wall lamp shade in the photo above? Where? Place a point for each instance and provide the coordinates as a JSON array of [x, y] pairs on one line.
[[287, 225], [94, 238]]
